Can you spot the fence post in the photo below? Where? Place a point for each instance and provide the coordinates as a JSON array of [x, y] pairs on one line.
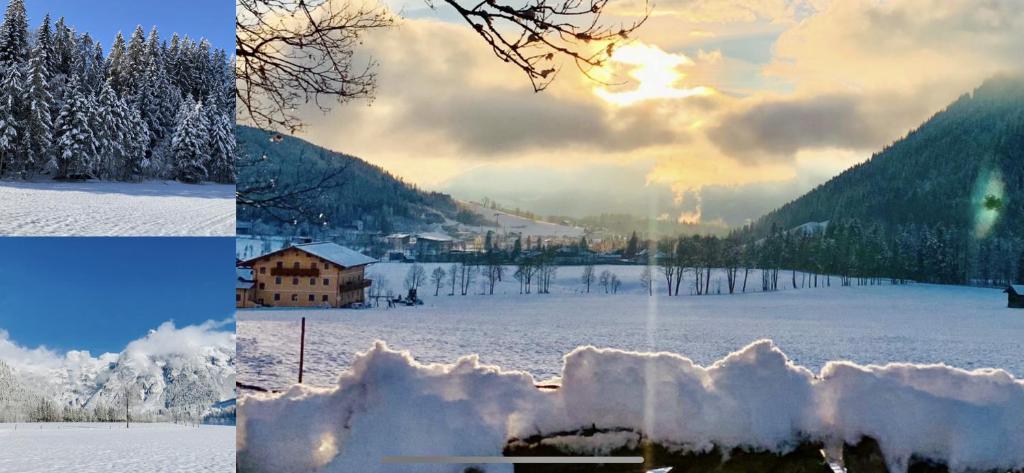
[[302, 348]]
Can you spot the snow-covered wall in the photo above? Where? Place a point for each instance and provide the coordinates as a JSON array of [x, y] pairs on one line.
[[388, 404]]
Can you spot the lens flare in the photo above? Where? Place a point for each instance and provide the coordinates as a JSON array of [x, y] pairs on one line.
[[987, 201]]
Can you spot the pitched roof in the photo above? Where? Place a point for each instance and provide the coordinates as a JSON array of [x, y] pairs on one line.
[[1018, 288], [332, 252], [433, 236]]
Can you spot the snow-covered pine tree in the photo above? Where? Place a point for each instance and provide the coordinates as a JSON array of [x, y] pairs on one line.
[[115, 66], [136, 145], [188, 145], [9, 127], [39, 129], [109, 129], [14, 34], [76, 143], [133, 67], [221, 146]]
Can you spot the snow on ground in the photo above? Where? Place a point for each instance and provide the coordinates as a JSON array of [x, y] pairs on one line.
[[524, 226], [153, 208], [388, 404], [99, 447], [961, 326]]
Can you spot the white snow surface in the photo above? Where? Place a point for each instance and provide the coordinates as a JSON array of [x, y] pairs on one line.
[[108, 447], [389, 404], [523, 226], [964, 327], [152, 208]]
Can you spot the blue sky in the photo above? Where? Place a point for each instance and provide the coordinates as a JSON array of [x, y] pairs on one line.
[[98, 294], [211, 19]]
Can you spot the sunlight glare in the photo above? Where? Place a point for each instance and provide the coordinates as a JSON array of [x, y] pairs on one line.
[[655, 72]]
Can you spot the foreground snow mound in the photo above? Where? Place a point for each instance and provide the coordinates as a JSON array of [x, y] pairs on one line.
[[756, 399]]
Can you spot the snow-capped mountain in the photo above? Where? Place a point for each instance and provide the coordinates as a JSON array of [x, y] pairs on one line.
[[169, 373]]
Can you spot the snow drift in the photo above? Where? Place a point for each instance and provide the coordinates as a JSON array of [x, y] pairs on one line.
[[755, 398]]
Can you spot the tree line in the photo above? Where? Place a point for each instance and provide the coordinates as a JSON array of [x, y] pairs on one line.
[[147, 109]]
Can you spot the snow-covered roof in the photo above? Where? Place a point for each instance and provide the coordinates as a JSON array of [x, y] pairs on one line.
[[332, 252], [433, 236], [243, 284], [1018, 288], [243, 274], [336, 254]]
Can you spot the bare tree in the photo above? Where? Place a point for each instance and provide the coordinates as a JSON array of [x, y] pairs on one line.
[[437, 277], [494, 272], [647, 280], [294, 52], [615, 282], [588, 276], [415, 277], [605, 280]]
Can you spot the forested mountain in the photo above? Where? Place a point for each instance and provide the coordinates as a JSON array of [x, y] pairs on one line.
[[167, 386], [354, 189], [945, 203], [147, 109]]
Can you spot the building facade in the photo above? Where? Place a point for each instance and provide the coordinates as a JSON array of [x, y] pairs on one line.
[[310, 275]]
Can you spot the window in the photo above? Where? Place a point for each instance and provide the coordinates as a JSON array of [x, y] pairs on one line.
[[280, 264], [277, 297], [263, 270], [295, 281], [296, 265], [327, 265], [312, 298], [324, 298], [312, 281], [277, 280], [327, 282], [263, 286], [312, 265], [295, 297], [238, 297]]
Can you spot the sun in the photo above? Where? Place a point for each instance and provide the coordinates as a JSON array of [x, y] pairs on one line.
[[654, 73]]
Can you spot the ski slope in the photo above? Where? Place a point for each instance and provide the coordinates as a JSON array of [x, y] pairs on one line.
[[523, 226], [102, 447], [152, 208]]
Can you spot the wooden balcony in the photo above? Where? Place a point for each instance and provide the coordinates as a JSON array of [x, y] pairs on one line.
[[301, 272], [356, 285]]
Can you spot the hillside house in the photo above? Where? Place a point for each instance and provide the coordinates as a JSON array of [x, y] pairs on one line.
[[245, 296], [319, 274], [1015, 296], [433, 244]]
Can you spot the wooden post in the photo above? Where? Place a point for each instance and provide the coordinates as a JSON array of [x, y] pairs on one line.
[[302, 348]]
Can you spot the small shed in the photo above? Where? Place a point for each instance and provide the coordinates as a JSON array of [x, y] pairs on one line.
[[1015, 296]]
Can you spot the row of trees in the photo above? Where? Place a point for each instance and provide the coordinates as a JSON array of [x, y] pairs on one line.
[[148, 109], [850, 251]]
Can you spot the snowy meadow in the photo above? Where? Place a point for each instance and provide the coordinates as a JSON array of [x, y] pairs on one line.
[[152, 208], [87, 448], [960, 326], [931, 373]]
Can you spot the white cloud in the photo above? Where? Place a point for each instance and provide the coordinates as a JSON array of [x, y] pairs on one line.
[[164, 340]]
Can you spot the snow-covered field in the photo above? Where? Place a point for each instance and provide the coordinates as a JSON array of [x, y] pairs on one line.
[[717, 385], [153, 208], [87, 448], [961, 326]]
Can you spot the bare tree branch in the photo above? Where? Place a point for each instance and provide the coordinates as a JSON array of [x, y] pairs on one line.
[[293, 52]]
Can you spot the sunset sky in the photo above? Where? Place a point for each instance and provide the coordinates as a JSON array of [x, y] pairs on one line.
[[730, 108]]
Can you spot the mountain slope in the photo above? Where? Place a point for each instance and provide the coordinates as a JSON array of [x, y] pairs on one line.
[[964, 161], [368, 193], [173, 384]]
